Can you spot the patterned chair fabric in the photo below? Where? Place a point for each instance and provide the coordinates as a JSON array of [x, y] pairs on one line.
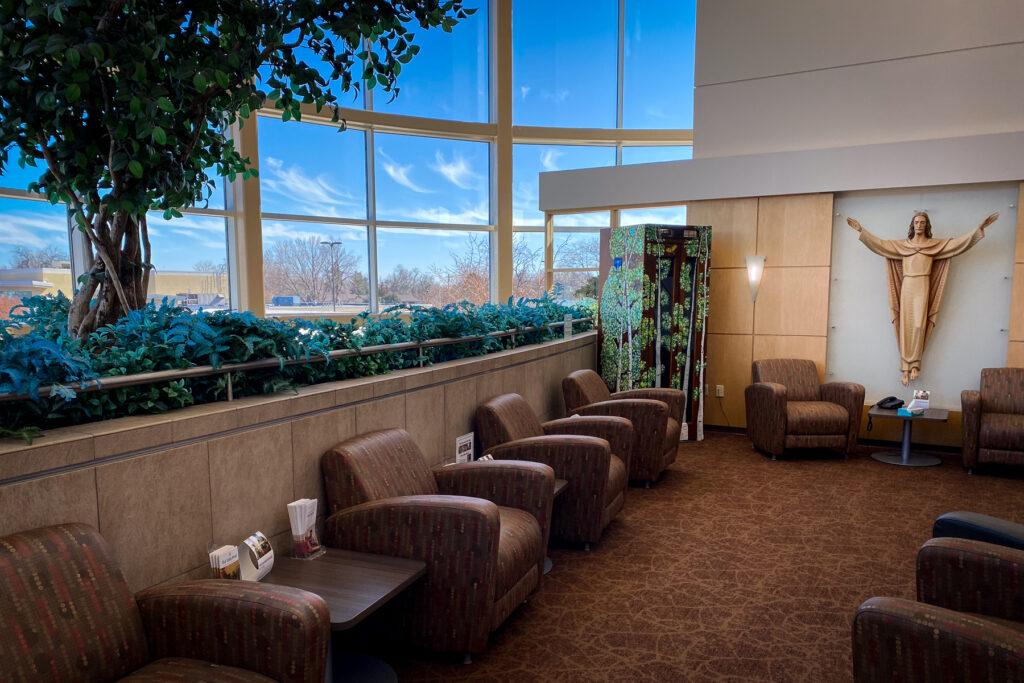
[[481, 527], [591, 453], [993, 418], [656, 415], [788, 408], [967, 625], [68, 615]]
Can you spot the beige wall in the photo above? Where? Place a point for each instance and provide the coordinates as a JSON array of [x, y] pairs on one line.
[[790, 318], [802, 74], [164, 282], [161, 488]]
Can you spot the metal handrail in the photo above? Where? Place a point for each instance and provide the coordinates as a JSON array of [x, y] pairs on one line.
[[118, 381]]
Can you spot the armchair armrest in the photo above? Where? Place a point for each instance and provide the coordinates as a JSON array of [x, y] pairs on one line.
[[971, 576], [970, 405], [673, 398], [527, 486], [766, 416], [458, 539], [648, 417], [850, 396], [617, 431], [277, 631], [896, 639]]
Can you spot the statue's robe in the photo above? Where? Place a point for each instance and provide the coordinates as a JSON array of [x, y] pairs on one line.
[[917, 276]]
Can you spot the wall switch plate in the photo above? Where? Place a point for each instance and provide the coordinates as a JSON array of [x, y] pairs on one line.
[[464, 448], [719, 391]]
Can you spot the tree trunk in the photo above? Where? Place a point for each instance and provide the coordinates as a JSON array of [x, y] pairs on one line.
[[118, 278]]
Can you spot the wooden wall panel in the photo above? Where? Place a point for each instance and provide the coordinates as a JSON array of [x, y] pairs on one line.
[[793, 301], [1019, 253], [1017, 304], [729, 358], [795, 230], [734, 229], [731, 310], [1015, 355], [777, 346]]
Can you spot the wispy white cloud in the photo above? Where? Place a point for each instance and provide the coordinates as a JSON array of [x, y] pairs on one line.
[[276, 230], [549, 159], [457, 170], [27, 229], [307, 193], [557, 96], [467, 215], [524, 90], [400, 172]]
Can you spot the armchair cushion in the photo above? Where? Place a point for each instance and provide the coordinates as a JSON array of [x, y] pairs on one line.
[[182, 669], [384, 464], [1002, 431], [807, 418], [278, 631], [618, 479], [519, 546], [505, 418], [1002, 390], [672, 429], [617, 431], [971, 576], [902, 640], [673, 398], [583, 387], [65, 609], [800, 377]]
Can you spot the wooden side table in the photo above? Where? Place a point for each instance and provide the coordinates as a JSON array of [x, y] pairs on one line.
[[906, 457], [354, 586]]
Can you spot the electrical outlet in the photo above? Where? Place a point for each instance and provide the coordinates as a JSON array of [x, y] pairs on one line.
[[719, 391]]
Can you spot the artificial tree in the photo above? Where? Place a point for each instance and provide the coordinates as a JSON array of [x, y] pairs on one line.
[[128, 104]]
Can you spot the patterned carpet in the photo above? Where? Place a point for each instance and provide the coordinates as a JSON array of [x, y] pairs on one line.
[[732, 567]]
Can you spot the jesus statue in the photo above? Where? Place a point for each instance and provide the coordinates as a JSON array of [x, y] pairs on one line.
[[917, 275]]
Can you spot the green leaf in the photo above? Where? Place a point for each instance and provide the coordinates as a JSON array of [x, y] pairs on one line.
[[199, 81], [73, 92], [165, 104], [73, 56], [135, 168], [159, 136]]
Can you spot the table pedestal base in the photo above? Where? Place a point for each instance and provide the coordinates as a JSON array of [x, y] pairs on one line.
[[912, 461], [905, 457]]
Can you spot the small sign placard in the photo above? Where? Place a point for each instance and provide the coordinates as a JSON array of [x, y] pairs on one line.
[[464, 448]]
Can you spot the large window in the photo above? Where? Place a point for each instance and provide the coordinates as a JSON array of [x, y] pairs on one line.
[[564, 57], [448, 79], [658, 64], [431, 180], [404, 208], [433, 267], [529, 161]]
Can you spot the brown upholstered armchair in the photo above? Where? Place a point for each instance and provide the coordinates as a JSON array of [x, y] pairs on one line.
[[993, 419], [788, 408], [967, 625], [591, 453], [481, 527], [68, 615], [656, 415]]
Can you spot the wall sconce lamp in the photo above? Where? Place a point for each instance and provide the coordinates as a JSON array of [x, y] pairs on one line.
[[755, 269]]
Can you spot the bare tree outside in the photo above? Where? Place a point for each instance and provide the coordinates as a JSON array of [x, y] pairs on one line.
[[45, 257], [301, 268], [215, 275]]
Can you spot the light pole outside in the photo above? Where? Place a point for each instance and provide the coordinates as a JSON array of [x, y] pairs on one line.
[[334, 271]]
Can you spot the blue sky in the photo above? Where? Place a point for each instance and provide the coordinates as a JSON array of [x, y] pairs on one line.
[[564, 63]]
